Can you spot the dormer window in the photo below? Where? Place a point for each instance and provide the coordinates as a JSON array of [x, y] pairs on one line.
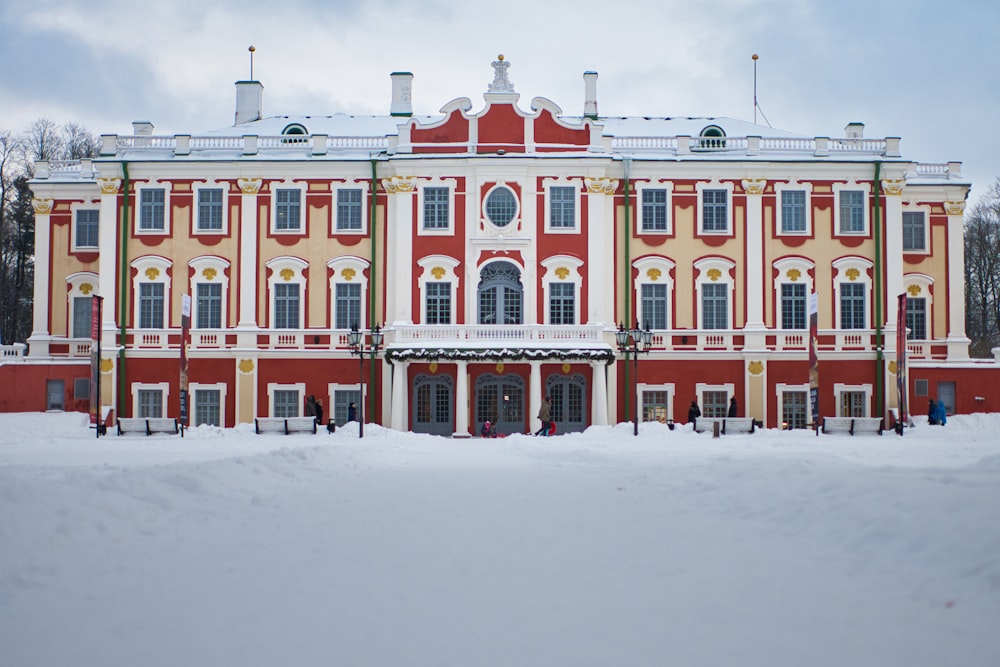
[[296, 133], [712, 137]]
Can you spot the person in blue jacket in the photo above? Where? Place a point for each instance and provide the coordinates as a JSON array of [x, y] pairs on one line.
[[938, 415]]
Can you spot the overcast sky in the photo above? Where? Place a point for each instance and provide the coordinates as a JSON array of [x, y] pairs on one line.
[[922, 70]]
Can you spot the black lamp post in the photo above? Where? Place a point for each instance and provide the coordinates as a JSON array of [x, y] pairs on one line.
[[631, 342], [356, 340]]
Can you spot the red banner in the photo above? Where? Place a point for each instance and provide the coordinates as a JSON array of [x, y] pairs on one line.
[[901, 360]]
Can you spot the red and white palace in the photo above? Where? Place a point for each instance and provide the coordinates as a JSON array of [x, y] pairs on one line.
[[497, 248]]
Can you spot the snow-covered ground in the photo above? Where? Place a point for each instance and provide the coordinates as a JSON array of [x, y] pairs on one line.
[[229, 548]]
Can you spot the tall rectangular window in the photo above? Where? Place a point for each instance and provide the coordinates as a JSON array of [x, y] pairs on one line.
[[714, 403], [715, 306], [207, 407], [562, 207], [286, 306], [86, 228], [793, 409], [914, 236], [562, 303], [654, 306], [150, 305], [349, 210], [438, 302], [852, 404], [347, 305], [654, 406], [151, 209], [210, 210], [150, 404], [288, 209], [793, 211], [286, 403], [342, 399], [654, 210], [714, 211], [209, 305], [852, 211], [82, 309], [852, 306], [793, 306], [916, 318], [436, 208]]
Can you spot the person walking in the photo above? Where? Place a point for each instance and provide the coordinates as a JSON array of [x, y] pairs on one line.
[[543, 415], [352, 412], [693, 413], [319, 410], [733, 408], [311, 406]]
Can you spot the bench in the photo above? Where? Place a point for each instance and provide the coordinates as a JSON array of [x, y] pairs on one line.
[[285, 425], [853, 425], [726, 424], [148, 426]]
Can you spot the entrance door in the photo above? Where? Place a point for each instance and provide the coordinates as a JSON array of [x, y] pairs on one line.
[[946, 394], [433, 405], [55, 392], [569, 406], [500, 399]]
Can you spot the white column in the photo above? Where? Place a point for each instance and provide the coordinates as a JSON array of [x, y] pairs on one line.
[[612, 375], [399, 249], [247, 317], [107, 263], [39, 339], [958, 342], [399, 400], [462, 400], [755, 272], [599, 409], [893, 254], [600, 251], [535, 394]]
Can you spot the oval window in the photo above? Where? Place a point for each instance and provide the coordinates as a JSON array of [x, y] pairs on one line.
[[501, 206]]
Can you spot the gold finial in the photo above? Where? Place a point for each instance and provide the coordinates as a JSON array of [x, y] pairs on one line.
[[251, 50], [754, 56], [500, 56]]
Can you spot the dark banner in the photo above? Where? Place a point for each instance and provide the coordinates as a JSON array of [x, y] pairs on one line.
[[814, 359], [901, 360], [185, 341], [95, 361]]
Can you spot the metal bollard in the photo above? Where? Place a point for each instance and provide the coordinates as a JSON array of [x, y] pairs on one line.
[[715, 429]]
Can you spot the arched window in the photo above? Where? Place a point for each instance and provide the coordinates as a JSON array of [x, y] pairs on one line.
[[712, 136], [501, 295]]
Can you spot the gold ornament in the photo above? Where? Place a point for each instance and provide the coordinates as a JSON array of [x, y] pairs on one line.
[[794, 274], [287, 274], [914, 290], [755, 368], [433, 368], [853, 274], [500, 367], [152, 273], [714, 275], [246, 366], [86, 288], [438, 272], [562, 273], [348, 274], [654, 274], [107, 365], [249, 186], [209, 273]]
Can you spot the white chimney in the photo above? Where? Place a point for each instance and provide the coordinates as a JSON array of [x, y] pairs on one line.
[[855, 130], [402, 94], [249, 101], [142, 128], [590, 94]]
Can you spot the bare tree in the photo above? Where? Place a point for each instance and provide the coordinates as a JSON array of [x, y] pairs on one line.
[[44, 141], [79, 143], [11, 169], [982, 273]]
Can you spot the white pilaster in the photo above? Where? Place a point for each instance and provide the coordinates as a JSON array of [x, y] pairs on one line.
[[893, 271], [107, 263], [462, 400], [39, 339], [247, 318], [958, 342], [399, 400], [399, 249], [599, 408], [612, 375], [755, 272], [600, 251], [535, 394]]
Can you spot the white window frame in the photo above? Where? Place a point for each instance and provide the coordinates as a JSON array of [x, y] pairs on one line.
[[348, 269], [428, 265], [715, 185], [214, 185], [335, 189], [515, 222], [779, 391], [841, 267], [278, 265], [221, 387], [73, 232], [162, 387], [668, 387], [155, 185], [796, 186], [640, 221], [840, 388], [725, 266], [654, 270], [333, 387], [926, 250], [574, 277], [451, 184], [216, 267], [276, 386], [562, 182], [142, 266], [75, 283], [924, 282], [303, 208], [784, 267], [866, 189], [701, 387]]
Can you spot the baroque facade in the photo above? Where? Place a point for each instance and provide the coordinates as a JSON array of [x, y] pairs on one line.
[[498, 249]]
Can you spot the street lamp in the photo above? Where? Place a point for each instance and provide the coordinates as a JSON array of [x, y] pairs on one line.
[[356, 340], [632, 342]]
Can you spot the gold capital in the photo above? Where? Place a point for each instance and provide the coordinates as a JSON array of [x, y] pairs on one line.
[[109, 186], [249, 186], [42, 206], [754, 186], [954, 207], [601, 186]]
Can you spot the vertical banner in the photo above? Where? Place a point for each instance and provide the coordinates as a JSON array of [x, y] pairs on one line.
[[901, 363], [185, 341], [95, 363], [814, 359]]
